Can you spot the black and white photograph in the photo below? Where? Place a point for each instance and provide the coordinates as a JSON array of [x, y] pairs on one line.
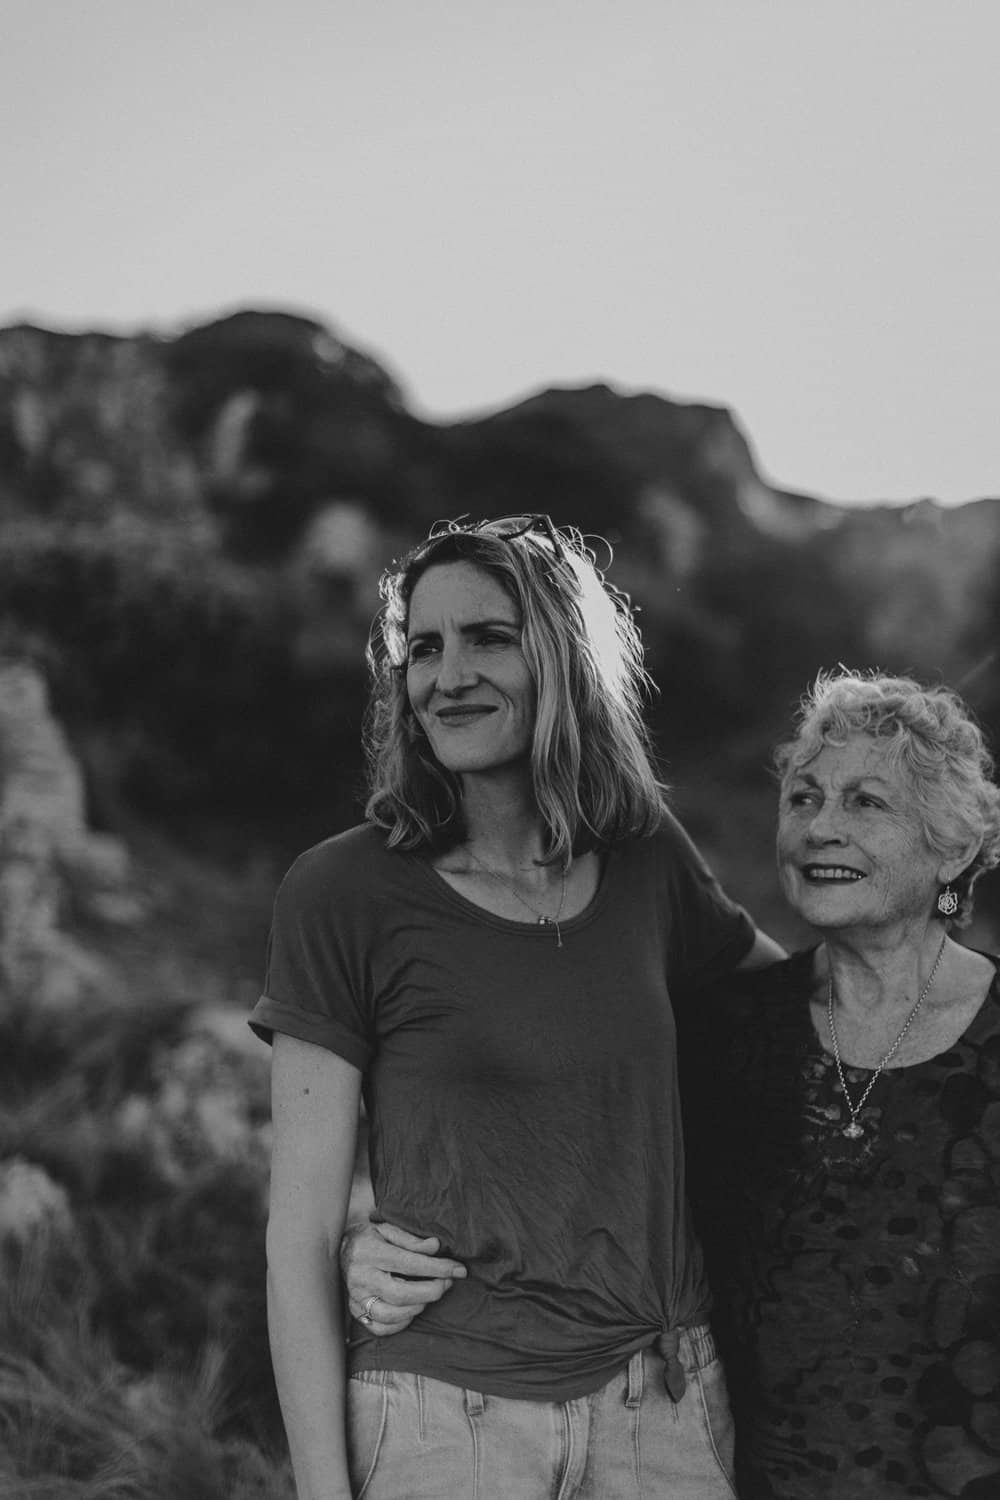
[[499, 717]]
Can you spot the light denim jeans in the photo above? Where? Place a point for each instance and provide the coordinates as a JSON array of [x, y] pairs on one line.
[[412, 1438]]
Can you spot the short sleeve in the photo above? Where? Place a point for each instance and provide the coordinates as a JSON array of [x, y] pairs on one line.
[[315, 985], [709, 932]]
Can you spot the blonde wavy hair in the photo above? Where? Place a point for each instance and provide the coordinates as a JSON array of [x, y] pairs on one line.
[[591, 759], [933, 738]]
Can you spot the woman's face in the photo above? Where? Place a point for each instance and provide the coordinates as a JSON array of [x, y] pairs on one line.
[[851, 847], [468, 682]]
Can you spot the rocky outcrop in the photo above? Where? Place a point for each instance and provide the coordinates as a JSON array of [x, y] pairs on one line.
[[259, 421], [250, 422], [48, 856], [31, 1203], [198, 523], [246, 428], [208, 1100]]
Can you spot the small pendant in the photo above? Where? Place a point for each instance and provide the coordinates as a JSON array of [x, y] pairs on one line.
[[545, 921], [854, 1131]]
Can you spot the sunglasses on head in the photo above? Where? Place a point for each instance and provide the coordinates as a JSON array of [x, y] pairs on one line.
[[509, 528]]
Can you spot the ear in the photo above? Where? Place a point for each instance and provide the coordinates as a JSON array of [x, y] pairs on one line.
[[950, 869]]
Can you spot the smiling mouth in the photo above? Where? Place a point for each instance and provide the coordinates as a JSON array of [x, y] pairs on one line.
[[463, 715], [831, 874]]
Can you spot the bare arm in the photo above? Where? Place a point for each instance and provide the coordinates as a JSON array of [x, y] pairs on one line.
[[764, 951], [402, 1272], [315, 1096]]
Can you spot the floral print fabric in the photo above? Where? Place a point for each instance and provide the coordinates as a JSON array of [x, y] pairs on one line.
[[857, 1282]]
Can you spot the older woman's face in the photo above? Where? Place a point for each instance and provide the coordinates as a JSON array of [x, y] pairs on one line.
[[851, 847]]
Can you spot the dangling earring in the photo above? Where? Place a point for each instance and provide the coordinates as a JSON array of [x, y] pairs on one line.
[[947, 902]]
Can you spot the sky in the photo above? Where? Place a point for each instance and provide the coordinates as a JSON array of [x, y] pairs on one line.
[[786, 207]]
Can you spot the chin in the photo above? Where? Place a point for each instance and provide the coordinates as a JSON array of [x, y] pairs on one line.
[[827, 908], [475, 765]]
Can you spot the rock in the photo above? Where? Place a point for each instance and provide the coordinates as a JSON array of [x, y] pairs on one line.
[[209, 1101], [43, 834], [30, 1202]]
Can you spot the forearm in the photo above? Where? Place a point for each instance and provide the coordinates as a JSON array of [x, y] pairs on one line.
[[765, 951], [305, 1322]]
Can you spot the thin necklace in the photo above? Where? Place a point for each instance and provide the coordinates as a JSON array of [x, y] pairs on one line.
[[540, 917], [854, 1131]]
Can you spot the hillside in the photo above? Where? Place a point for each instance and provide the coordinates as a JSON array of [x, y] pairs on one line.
[[193, 529], [191, 534]]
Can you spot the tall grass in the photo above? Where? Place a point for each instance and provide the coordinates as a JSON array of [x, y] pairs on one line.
[[133, 1353]]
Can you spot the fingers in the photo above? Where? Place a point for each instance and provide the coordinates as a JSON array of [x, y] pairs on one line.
[[417, 1256], [385, 1327], [394, 1302], [396, 1305], [429, 1245], [408, 1263], [392, 1275], [393, 1292], [371, 1249]]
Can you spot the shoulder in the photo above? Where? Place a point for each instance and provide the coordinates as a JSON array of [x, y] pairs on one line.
[[667, 843], [991, 1006], [746, 1014], [355, 861], [669, 862], [995, 986], [790, 979], [784, 986], [988, 962]]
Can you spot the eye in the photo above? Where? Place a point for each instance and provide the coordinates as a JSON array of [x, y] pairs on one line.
[[419, 651], [800, 798], [495, 638], [870, 802]]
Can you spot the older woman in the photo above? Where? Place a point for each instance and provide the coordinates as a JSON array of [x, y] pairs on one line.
[[844, 1140], [490, 958], [842, 1114]]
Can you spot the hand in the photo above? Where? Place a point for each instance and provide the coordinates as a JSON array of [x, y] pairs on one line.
[[375, 1259]]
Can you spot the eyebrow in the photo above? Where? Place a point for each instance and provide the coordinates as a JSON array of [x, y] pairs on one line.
[[848, 785], [469, 629]]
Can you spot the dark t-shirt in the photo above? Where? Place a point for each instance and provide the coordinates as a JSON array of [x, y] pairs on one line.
[[522, 1097], [856, 1282]]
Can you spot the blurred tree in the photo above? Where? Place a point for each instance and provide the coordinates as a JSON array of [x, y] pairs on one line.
[[186, 664]]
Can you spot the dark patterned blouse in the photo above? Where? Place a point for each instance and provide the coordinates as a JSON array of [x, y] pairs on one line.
[[857, 1281]]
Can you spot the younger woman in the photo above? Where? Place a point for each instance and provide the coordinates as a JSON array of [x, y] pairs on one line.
[[489, 961]]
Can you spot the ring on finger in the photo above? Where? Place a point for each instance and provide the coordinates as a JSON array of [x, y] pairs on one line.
[[366, 1309]]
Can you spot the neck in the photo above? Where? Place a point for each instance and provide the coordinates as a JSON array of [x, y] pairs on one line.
[[502, 822], [881, 971]]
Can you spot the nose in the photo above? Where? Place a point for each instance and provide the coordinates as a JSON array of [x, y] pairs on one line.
[[825, 827], [455, 669]]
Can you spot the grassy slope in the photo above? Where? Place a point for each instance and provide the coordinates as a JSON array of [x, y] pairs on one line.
[[134, 1362]]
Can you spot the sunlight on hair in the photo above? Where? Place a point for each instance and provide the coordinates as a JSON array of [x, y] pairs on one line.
[[603, 617], [594, 778]]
